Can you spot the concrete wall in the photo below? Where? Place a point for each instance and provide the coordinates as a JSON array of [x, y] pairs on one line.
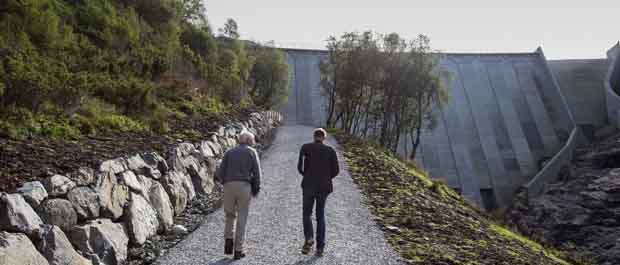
[[504, 117], [612, 86], [305, 103], [582, 83]]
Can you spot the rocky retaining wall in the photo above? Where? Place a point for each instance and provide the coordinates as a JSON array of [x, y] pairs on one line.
[[91, 216]]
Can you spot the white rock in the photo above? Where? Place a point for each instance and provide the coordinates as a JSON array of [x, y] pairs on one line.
[[161, 204], [16, 249], [56, 248], [114, 166], [113, 196], [179, 230], [58, 185], [33, 192], [156, 165], [86, 202], [16, 215], [205, 149], [137, 183], [58, 212], [106, 242], [141, 219], [84, 176], [174, 184]]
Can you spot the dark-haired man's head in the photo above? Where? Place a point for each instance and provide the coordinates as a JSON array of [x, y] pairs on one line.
[[320, 135]]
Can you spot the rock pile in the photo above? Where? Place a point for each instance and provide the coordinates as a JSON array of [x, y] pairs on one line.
[[581, 212], [91, 216]]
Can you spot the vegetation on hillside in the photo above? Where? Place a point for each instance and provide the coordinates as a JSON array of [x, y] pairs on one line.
[[77, 67], [427, 222], [382, 86]]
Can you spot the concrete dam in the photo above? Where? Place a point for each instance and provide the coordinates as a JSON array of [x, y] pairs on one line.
[[510, 121]]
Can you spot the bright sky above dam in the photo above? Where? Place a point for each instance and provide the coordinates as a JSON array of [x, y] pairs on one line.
[[566, 29]]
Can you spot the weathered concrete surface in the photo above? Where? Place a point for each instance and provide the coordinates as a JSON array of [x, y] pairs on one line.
[[505, 117], [274, 233], [581, 82]]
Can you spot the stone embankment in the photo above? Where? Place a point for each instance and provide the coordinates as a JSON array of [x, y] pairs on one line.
[[92, 216], [580, 213]]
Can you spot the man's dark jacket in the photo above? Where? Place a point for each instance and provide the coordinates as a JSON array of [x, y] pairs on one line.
[[318, 163]]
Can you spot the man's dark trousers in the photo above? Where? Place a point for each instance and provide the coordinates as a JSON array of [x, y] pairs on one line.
[[309, 201]]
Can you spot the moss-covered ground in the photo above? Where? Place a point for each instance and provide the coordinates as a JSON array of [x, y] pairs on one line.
[[429, 223]]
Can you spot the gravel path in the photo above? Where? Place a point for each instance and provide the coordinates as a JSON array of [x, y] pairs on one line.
[[274, 233]]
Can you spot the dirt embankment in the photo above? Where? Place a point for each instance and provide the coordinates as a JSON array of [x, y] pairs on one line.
[[428, 223], [36, 157]]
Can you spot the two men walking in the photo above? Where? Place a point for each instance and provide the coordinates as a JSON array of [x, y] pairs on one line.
[[240, 173]]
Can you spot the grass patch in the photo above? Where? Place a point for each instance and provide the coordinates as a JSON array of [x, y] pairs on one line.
[[426, 221]]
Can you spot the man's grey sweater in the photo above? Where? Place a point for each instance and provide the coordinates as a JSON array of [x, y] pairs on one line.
[[239, 164]]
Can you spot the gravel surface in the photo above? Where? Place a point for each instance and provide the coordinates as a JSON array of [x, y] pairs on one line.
[[274, 233]]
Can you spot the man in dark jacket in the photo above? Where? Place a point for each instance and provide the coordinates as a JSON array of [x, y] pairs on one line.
[[318, 163]]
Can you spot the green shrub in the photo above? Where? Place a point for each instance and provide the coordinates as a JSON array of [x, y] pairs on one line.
[[120, 123], [8, 130]]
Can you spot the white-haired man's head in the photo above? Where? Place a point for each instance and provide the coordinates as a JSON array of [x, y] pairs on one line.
[[246, 137], [319, 135]]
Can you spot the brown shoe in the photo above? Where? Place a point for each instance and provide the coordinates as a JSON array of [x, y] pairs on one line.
[[307, 247]]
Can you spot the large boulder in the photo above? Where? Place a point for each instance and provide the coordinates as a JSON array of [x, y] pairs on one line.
[[58, 185], [34, 192], [16, 215], [113, 196], [102, 240], [161, 204], [175, 184], [56, 248], [139, 165], [85, 202], [84, 176], [141, 220], [114, 166], [137, 183], [202, 177], [155, 161], [58, 212], [16, 249], [206, 150]]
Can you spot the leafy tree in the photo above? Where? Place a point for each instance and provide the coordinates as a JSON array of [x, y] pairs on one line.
[[381, 86], [230, 29], [269, 77]]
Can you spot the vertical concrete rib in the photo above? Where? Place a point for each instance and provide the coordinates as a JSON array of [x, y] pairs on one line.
[[459, 136], [537, 107], [484, 112], [519, 162], [438, 153], [474, 173], [289, 109]]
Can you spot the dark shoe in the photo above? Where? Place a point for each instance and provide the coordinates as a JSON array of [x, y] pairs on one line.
[[319, 252], [307, 246], [228, 247], [239, 255]]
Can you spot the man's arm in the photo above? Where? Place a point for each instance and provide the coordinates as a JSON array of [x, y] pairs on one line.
[[300, 162], [335, 168], [221, 170], [256, 170]]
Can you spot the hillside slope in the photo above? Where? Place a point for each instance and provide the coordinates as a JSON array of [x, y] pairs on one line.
[[428, 223]]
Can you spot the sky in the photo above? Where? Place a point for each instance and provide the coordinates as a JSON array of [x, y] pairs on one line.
[[568, 29]]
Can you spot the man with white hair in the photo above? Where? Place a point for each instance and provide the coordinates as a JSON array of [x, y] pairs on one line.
[[240, 173]]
